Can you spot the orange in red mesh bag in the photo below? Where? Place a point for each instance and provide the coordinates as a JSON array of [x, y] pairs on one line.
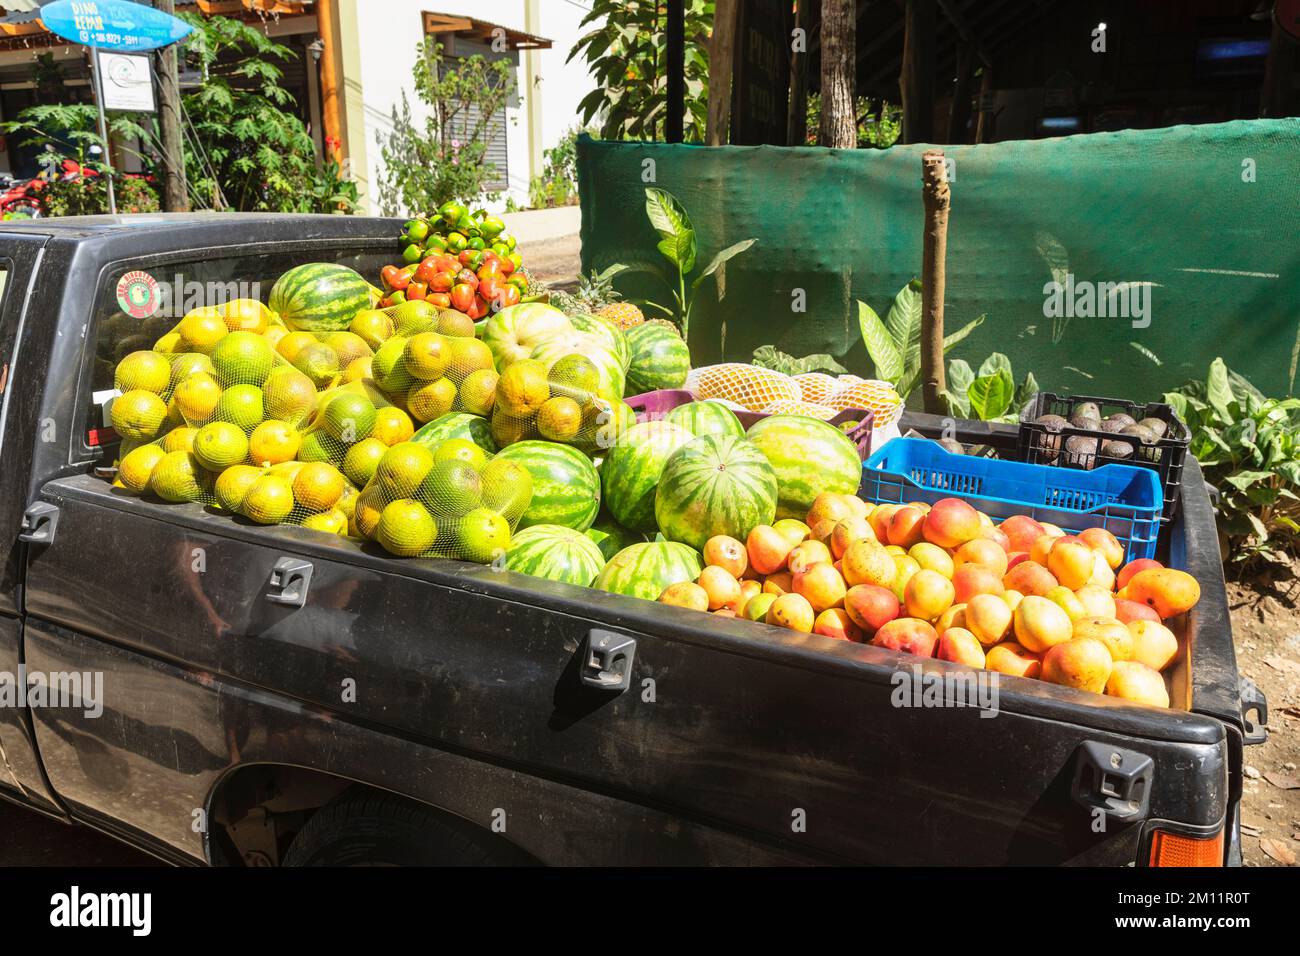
[[752, 387]]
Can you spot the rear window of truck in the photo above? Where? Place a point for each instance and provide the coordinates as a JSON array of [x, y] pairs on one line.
[[139, 303]]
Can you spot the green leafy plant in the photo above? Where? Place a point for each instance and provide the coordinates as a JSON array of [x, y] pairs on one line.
[[627, 55], [447, 158], [249, 152], [677, 245], [894, 343], [1249, 447], [769, 356], [992, 395]]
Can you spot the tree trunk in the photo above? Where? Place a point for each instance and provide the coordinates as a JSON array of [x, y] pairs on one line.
[[722, 65], [838, 128], [936, 198], [796, 117], [175, 194], [916, 80]]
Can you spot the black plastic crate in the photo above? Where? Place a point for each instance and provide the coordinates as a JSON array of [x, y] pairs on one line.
[[1038, 445]]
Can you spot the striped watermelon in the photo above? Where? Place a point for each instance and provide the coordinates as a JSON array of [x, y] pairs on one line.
[[809, 457], [644, 570], [660, 359], [607, 330], [716, 484], [611, 537], [592, 347], [566, 488], [319, 297], [707, 418], [516, 330], [555, 553], [632, 468], [457, 425]]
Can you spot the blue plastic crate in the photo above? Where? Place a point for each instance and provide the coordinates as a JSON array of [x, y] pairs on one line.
[[1124, 500]]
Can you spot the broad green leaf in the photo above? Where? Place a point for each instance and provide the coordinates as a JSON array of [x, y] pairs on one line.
[[950, 340], [670, 220], [959, 376], [718, 262], [1218, 392], [990, 395], [1245, 479], [1026, 392], [903, 322], [957, 404], [885, 354], [994, 364], [769, 356]]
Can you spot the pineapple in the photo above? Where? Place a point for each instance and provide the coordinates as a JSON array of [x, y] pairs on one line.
[[596, 295]]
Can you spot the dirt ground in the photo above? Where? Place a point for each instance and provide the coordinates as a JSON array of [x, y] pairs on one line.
[[1266, 630]]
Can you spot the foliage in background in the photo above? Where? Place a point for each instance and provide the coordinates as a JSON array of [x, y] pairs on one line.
[[992, 395], [894, 344], [677, 245], [879, 122], [1249, 447], [253, 155], [627, 56], [769, 356], [558, 184], [447, 158]]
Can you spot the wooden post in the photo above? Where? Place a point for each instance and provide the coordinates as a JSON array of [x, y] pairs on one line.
[[722, 65], [331, 86], [675, 78], [916, 80], [1279, 69], [984, 125], [796, 117], [959, 114], [175, 195], [936, 197], [838, 127]]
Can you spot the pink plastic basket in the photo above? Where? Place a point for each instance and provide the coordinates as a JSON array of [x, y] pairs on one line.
[[656, 405]]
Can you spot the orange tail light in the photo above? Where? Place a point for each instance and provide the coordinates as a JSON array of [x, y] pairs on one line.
[[1178, 849]]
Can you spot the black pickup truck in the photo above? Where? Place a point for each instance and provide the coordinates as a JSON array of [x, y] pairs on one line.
[[215, 692]]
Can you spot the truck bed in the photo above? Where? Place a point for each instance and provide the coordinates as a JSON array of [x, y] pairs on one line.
[[749, 743]]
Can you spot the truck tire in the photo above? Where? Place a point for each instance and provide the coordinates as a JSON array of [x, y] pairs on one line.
[[372, 828]]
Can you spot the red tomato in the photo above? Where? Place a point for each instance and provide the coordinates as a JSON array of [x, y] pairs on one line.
[[417, 290], [442, 282], [507, 267], [467, 277], [466, 255], [394, 278], [509, 295], [489, 269], [446, 263], [441, 299], [462, 296], [490, 286]]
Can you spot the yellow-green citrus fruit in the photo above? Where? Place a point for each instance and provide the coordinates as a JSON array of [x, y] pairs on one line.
[[137, 465], [138, 414], [196, 397], [461, 449], [333, 521], [242, 358], [145, 370], [232, 486], [219, 445], [269, 500], [349, 417], [273, 442], [241, 405], [426, 356], [318, 486], [403, 468], [483, 535], [362, 459], [178, 477], [405, 528]]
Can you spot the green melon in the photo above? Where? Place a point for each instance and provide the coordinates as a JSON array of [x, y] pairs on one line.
[[809, 457], [612, 381], [660, 359], [457, 425], [319, 297], [555, 553], [606, 330], [632, 468], [566, 488], [644, 570], [707, 418], [611, 537], [715, 485]]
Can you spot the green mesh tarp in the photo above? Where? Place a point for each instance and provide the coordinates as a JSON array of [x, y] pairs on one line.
[[1200, 221]]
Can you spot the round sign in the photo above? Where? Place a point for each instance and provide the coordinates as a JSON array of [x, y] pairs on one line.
[[137, 294]]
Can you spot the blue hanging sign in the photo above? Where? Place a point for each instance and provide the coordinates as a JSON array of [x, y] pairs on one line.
[[113, 24]]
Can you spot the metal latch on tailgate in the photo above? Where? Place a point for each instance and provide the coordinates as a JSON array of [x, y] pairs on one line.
[[40, 521], [1112, 779], [1253, 699], [290, 579], [606, 661]]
